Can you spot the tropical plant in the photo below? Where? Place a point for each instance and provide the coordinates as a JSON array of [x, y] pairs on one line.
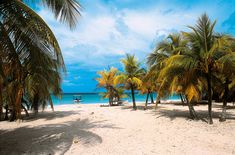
[[187, 63], [106, 80], [30, 57], [225, 69], [203, 46], [195, 67], [131, 77], [148, 86], [174, 44], [179, 77]]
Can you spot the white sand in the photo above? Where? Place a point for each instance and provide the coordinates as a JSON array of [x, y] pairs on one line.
[[91, 129]]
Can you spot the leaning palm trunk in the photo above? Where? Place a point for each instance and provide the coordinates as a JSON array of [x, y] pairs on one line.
[[157, 100], [182, 99], [133, 97], [146, 103], [209, 91], [25, 110], [192, 111], [225, 99], [151, 95]]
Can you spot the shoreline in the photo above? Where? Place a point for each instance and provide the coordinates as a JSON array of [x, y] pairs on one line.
[[106, 103]]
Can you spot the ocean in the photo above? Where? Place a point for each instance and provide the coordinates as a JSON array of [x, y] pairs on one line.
[[89, 98]]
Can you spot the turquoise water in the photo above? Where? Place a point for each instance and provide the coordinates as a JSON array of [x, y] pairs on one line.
[[89, 98]]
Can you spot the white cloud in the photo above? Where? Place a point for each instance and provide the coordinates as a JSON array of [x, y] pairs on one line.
[[68, 83], [109, 29], [100, 37]]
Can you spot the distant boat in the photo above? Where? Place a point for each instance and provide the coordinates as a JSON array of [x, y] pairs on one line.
[[77, 98]]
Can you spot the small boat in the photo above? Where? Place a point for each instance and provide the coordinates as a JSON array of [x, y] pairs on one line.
[[77, 98]]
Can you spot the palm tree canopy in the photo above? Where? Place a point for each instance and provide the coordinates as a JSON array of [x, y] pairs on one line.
[[66, 11], [132, 72], [203, 51], [107, 77], [31, 59]]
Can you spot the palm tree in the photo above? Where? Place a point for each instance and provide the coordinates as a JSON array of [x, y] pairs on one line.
[[180, 76], [225, 69], [30, 51], [131, 77], [203, 42], [106, 80], [174, 44], [148, 86], [195, 66]]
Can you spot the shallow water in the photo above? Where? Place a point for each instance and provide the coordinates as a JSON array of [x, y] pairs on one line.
[[89, 98]]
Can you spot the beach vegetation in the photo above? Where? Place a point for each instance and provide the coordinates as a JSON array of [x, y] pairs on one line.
[[106, 80], [31, 62], [130, 78], [192, 66]]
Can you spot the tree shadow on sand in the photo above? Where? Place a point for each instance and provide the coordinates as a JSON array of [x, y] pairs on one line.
[[139, 107], [176, 113], [49, 115], [51, 138]]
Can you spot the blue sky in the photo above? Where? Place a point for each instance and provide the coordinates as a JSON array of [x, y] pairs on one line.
[[108, 29]]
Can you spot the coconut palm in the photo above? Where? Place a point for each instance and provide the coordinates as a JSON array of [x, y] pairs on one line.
[[180, 76], [197, 62], [203, 42], [29, 51], [148, 86], [131, 77], [115, 95], [172, 45], [225, 69], [106, 80]]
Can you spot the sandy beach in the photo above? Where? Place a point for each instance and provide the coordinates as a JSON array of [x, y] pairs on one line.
[[91, 129]]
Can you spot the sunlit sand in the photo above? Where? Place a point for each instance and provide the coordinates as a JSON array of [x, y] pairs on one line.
[[91, 129]]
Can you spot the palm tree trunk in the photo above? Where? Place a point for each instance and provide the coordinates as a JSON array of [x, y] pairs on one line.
[[35, 104], [146, 103], [118, 97], [6, 113], [110, 98], [157, 101], [18, 103], [209, 93], [110, 103], [1, 112], [192, 111], [225, 99], [26, 111], [13, 114], [182, 100], [151, 95], [133, 97], [1, 106]]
